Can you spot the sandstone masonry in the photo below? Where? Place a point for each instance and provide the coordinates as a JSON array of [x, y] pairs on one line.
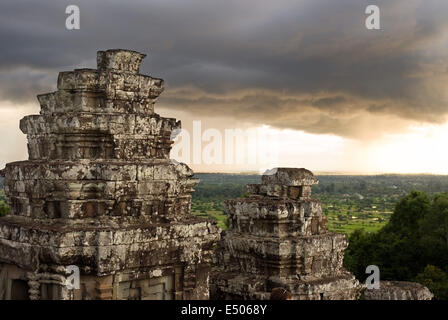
[[398, 290], [100, 192], [277, 238]]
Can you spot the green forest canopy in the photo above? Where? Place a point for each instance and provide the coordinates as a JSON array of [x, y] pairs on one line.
[[413, 246]]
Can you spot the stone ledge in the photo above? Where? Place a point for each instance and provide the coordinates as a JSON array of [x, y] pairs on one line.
[[398, 290]]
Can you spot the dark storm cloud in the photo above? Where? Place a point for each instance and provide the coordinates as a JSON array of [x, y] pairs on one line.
[[308, 65]]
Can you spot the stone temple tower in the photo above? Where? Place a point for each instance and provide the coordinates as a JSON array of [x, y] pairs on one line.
[[99, 194], [277, 238]]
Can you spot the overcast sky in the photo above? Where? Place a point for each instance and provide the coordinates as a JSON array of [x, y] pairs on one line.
[[307, 69]]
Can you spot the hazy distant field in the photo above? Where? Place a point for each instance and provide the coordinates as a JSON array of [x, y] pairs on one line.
[[349, 202]]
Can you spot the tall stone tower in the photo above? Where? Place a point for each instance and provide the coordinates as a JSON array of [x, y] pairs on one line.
[[277, 238], [99, 194]]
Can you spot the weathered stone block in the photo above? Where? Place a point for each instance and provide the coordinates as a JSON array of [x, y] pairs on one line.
[[123, 60], [398, 290]]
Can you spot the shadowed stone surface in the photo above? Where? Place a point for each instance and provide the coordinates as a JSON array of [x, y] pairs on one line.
[[277, 238], [100, 192], [398, 290]]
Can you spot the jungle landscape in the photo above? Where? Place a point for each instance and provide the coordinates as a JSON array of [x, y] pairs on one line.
[[397, 222]]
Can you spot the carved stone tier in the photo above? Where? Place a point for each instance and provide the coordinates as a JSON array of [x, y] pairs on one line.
[[99, 188]]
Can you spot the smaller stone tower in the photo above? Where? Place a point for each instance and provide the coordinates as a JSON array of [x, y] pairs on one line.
[[277, 238]]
